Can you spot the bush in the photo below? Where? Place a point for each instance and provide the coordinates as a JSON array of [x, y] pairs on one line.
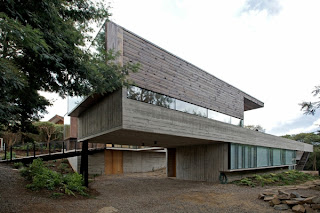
[[42, 177], [18, 165], [8, 156], [285, 178]]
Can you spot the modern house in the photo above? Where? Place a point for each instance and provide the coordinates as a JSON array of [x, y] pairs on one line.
[[176, 105]]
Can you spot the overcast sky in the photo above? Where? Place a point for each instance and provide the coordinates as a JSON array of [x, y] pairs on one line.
[[269, 49]]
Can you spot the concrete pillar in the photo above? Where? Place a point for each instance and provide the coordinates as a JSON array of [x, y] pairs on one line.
[[171, 162]]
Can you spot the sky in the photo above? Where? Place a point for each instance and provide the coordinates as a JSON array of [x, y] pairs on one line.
[[269, 49]]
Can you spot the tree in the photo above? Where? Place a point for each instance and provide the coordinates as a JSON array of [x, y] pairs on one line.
[[311, 107], [49, 131], [42, 48], [10, 138], [257, 128]]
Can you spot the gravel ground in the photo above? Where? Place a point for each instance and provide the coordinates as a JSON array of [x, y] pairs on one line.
[[147, 192]]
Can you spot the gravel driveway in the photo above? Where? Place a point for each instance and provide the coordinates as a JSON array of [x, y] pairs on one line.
[[147, 192]]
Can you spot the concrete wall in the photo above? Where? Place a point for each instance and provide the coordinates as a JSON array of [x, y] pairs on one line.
[[133, 161], [143, 161], [201, 162], [95, 163], [102, 116], [149, 118]]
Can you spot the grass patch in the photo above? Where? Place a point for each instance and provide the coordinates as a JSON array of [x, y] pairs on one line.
[[41, 177], [291, 177]]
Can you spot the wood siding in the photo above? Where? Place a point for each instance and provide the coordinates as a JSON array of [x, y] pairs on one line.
[[102, 116], [167, 74]]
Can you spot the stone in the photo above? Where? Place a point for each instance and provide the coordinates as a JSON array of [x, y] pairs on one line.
[[298, 208], [316, 200], [268, 198], [309, 209], [108, 209], [269, 193], [292, 202], [283, 196], [282, 192], [281, 207], [275, 201], [295, 195], [261, 196], [315, 206], [271, 204], [308, 200]]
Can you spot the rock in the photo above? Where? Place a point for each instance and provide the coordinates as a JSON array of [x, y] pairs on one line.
[[268, 198], [271, 204], [308, 200], [298, 208], [108, 209], [283, 196], [281, 207], [275, 201], [269, 193], [316, 200], [315, 206], [261, 196], [309, 209], [292, 202], [295, 195], [281, 192]]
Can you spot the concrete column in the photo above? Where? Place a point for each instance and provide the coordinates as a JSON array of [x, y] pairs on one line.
[[171, 162]]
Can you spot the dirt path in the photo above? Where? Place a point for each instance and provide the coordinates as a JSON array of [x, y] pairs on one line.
[[148, 192]]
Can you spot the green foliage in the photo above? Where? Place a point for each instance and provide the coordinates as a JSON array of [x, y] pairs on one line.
[[304, 137], [18, 165], [257, 128], [311, 107], [42, 177], [9, 156], [49, 131], [290, 177], [42, 48], [74, 183]]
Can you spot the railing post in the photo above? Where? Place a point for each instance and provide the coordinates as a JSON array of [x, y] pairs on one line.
[[75, 146], [11, 153], [84, 163], [27, 150], [34, 149], [63, 147], [5, 151], [49, 148]]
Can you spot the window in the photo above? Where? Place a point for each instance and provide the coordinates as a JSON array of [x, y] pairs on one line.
[[150, 97], [245, 156]]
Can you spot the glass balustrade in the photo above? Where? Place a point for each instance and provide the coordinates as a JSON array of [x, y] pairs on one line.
[[147, 96]]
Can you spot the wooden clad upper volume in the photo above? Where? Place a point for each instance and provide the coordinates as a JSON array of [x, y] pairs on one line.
[[167, 74]]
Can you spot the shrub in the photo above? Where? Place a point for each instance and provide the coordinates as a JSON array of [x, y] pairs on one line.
[[18, 165], [42, 177], [8, 156], [284, 178]]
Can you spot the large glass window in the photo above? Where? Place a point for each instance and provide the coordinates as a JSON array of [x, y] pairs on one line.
[[276, 156], [219, 116], [154, 98], [244, 156]]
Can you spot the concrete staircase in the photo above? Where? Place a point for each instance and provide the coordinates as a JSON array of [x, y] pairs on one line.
[[302, 162]]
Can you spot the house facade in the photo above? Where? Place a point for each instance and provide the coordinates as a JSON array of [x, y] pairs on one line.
[[176, 105]]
